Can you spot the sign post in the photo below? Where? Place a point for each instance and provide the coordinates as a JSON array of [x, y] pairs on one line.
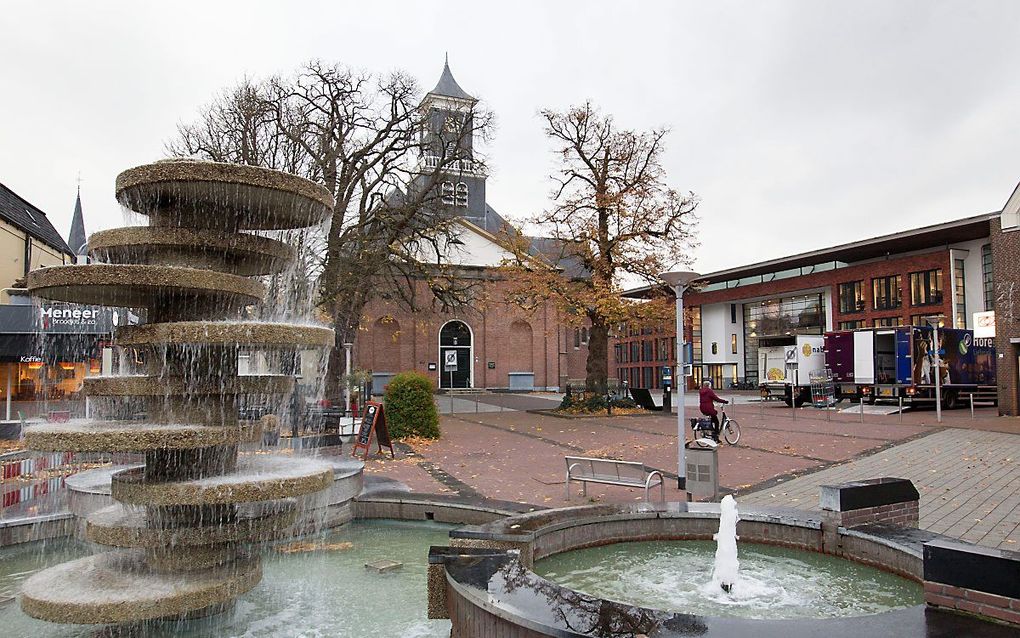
[[373, 421], [450, 364]]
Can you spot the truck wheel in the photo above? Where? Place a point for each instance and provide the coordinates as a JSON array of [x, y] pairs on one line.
[[949, 400]]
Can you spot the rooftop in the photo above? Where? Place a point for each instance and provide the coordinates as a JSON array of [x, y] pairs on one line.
[[448, 87], [23, 215], [944, 234]]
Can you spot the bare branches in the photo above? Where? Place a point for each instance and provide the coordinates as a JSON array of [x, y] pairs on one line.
[[613, 218]]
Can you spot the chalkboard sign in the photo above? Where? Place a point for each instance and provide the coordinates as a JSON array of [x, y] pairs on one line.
[[373, 421]]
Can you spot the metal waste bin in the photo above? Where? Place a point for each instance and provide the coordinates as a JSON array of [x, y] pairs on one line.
[[703, 473]]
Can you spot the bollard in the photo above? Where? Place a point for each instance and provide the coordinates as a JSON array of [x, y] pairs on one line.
[[901, 409], [972, 405], [862, 408], [793, 403], [476, 404]]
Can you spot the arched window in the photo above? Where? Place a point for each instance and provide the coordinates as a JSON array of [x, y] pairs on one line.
[[447, 190], [462, 194]]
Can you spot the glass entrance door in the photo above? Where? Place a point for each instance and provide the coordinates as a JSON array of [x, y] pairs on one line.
[[455, 349]]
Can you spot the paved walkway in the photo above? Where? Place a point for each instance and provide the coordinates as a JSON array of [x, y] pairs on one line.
[[969, 482], [782, 457]]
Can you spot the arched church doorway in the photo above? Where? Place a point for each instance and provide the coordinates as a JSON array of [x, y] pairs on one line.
[[456, 351]]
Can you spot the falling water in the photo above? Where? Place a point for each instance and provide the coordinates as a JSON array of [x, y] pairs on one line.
[[726, 564]]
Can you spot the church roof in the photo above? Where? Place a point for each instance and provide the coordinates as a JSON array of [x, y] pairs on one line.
[[448, 87], [30, 220], [77, 239]]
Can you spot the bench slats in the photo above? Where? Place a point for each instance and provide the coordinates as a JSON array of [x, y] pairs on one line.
[[612, 472]]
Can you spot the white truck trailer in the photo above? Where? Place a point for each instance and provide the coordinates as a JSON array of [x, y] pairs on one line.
[[785, 365]]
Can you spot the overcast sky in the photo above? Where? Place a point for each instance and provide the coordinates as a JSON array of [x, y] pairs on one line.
[[799, 124]]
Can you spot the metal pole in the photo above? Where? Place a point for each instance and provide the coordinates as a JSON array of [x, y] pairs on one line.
[[901, 409], [972, 405], [938, 375], [681, 442], [862, 407], [347, 380]]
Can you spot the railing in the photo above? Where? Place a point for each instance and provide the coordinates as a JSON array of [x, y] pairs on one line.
[[458, 165]]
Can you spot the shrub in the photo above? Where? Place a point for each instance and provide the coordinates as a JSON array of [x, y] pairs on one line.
[[623, 402], [410, 408]]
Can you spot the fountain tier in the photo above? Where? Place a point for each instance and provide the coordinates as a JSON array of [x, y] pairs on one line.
[[235, 253], [187, 511]]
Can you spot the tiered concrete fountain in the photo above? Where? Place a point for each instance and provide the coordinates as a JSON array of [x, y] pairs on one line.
[[185, 521]]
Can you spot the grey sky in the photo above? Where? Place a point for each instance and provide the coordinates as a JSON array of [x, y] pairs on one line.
[[799, 124]]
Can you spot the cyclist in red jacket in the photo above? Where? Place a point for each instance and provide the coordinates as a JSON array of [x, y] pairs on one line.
[[707, 399]]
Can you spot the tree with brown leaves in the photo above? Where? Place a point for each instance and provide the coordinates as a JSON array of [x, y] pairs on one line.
[[613, 218]]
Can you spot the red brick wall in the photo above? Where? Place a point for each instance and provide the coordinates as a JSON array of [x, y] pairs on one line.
[[831, 279], [500, 330], [972, 602], [1006, 273]]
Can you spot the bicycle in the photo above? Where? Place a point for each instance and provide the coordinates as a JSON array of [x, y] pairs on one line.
[[728, 427]]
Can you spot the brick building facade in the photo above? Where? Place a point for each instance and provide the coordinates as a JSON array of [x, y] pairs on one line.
[[492, 343], [1006, 260], [940, 272]]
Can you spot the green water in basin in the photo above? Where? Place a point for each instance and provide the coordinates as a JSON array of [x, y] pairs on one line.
[[314, 594], [774, 582]]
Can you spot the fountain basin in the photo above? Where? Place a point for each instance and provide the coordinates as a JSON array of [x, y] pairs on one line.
[[234, 253], [218, 195], [119, 586], [122, 526], [256, 478], [226, 333], [124, 436], [144, 286], [140, 385], [773, 582]]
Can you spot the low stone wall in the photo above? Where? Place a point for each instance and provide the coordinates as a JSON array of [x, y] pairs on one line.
[[969, 579]]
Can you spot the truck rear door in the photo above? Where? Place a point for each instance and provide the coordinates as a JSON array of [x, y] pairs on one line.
[[864, 357], [839, 355]]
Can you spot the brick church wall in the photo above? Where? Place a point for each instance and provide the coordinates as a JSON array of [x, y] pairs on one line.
[[505, 335]]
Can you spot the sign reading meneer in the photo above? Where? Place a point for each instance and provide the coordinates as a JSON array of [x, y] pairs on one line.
[[56, 319]]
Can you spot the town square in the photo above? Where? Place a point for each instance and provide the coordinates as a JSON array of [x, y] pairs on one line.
[[641, 320]]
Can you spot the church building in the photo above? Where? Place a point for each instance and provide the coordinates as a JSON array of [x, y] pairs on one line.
[[490, 343]]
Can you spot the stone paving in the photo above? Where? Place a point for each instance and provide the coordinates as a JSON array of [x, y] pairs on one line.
[[968, 481], [782, 457]]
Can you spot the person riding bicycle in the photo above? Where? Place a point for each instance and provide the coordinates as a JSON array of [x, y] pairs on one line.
[[707, 399]]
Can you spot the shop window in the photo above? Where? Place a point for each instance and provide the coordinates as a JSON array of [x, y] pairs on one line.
[[733, 344]]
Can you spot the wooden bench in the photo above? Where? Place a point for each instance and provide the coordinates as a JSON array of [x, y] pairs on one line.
[[611, 472]]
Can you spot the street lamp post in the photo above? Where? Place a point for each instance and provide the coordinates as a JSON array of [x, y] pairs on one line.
[[679, 280]]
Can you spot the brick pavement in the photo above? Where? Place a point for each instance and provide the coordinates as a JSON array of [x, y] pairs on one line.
[[968, 481], [519, 456]]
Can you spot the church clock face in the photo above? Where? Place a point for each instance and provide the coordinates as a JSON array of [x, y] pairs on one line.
[[451, 124]]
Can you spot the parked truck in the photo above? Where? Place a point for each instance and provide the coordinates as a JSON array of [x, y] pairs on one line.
[[785, 365], [899, 362]]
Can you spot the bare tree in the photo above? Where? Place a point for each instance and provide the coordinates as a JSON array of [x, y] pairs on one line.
[[613, 217], [364, 138]]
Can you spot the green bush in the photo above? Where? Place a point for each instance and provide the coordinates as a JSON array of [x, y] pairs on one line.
[[410, 408]]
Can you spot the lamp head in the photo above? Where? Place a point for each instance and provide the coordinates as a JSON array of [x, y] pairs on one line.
[[679, 277]]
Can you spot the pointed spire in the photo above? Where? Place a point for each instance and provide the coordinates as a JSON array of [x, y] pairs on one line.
[[447, 86], [77, 239]]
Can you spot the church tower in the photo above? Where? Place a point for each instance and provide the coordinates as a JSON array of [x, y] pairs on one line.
[[77, 239], [447, 135]]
